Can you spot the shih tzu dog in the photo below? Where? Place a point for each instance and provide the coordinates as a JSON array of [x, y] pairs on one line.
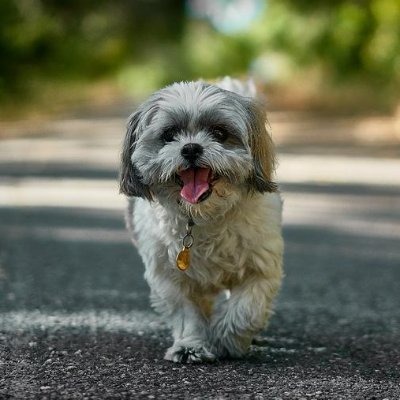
[[197, 166]]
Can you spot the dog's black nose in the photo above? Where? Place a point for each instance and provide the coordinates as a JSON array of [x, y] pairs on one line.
[[192, 151]]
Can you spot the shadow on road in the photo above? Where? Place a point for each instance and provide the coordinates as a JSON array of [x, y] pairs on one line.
[[76, 311], [55, 170]]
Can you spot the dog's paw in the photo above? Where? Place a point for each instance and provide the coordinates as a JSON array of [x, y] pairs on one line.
[[260, 341], [230, 346], [227, 350], [187, 354]]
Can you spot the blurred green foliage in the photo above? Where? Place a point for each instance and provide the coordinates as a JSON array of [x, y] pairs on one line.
[[350, 38], [148, 43], [80, 39]]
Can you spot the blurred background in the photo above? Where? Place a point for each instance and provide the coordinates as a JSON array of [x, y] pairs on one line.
[[341, 55]]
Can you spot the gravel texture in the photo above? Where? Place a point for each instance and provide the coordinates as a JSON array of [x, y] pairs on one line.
[[75, 321]]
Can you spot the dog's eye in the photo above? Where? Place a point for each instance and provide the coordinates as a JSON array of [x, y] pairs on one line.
[[168, 135], [220, 133]]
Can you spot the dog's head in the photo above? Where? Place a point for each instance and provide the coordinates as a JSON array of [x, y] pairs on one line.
[[197, 145]]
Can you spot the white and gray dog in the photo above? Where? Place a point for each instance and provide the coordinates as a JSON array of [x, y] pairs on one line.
[[197, 165]]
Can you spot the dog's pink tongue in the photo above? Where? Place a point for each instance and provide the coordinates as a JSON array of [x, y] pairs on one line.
[[195, 183]]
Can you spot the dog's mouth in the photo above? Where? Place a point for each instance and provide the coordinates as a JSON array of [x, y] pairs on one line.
[[196, 184]]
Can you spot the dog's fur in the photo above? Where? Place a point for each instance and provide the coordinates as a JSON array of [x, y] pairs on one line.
[[225, 297]]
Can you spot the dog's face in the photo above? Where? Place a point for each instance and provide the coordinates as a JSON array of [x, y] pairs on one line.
[[198, 146]]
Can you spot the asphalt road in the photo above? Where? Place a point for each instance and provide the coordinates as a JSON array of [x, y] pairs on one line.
[[75, 320]]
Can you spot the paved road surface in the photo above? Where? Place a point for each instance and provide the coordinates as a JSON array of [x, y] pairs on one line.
[[75, 320]]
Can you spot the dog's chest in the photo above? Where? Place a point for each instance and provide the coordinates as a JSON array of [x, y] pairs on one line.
[[219, 257], [224, 251]]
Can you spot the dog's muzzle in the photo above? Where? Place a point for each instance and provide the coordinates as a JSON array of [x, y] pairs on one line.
[[192, 151]]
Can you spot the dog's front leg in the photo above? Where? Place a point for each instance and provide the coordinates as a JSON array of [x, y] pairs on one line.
[[242, 316], [189, 326]]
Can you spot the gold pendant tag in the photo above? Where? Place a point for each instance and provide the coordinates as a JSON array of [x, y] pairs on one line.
[[183, 259]]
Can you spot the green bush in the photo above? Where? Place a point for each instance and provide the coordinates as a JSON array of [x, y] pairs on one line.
[[149, 43]]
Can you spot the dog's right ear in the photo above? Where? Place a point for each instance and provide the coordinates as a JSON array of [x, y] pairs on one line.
[[130, 181]]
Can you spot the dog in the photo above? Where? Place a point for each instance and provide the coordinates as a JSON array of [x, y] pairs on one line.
[[197, 166]]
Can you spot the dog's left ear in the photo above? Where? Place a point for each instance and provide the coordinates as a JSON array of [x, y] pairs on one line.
[[130, 181], [262, 150]]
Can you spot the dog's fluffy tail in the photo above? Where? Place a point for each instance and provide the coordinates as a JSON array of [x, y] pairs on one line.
[[247, 88]]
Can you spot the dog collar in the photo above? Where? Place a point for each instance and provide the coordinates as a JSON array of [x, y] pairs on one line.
[[183, 257]]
